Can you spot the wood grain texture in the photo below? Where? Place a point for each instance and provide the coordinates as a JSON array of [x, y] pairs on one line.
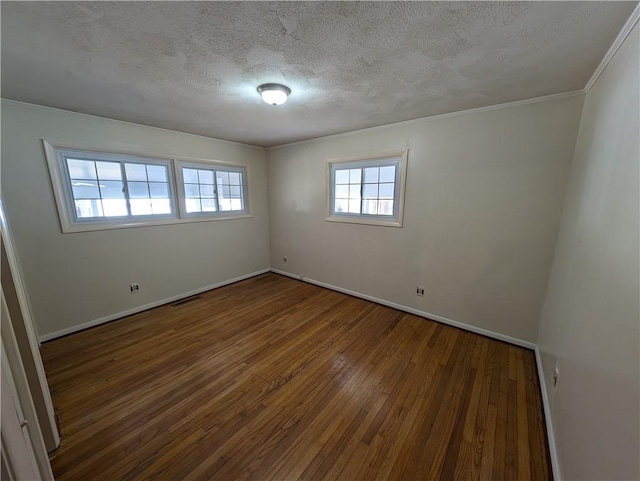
[[273, 378]]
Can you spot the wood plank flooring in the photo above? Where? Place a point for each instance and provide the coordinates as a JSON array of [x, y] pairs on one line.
[[273, 378]]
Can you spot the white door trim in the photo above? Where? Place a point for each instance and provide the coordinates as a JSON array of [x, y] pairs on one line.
[[20, 407], [18, 457], [34, 344]]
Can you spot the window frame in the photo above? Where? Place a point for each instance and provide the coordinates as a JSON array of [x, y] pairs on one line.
[[64, 200], [211, 165], [398, 159]]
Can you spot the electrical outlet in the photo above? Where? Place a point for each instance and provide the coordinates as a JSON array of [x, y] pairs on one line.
[[284, 259], [556, 375], [420, 291], [134, 287]]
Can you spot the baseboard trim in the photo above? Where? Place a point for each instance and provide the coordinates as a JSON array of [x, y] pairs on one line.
[[467, 327], [151, 305], [553, 453], [287, 274], [411, 310]]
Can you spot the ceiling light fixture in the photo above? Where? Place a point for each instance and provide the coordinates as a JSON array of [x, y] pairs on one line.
[[274, 94]]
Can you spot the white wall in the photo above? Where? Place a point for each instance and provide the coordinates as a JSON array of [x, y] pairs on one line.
[[483, 203], [591, 320], [75, 278]]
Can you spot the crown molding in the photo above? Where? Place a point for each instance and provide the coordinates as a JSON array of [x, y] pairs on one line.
[[5, 100], [487, 108], [624, 33]]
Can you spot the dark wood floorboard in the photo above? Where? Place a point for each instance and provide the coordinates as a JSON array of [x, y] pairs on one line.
[[273, 378]]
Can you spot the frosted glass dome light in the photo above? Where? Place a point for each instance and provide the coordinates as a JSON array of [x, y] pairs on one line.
[[274, 94]]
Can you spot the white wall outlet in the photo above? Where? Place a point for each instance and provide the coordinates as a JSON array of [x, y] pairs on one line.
[[420, 291], [134, 287]]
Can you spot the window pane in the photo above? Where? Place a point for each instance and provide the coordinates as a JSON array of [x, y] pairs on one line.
[[388, 174], [386, 191], [342, 176], [160, 206], [109, 170], [234, 178], [159, 190], [190, 176], [136, 172], [206, 191], [193, 205], [231, 204], [157, 173], [114, 207], [205, 176], [141, 207], [371, 174], [385, 207], [85, 189], [354, 206], [223, 177], [138, 190], [370, 207], [85, 209], [213, 190], [209, 205], [370, 191], [341, 205], [111, 190], [191, 191], [81, 169], [342, 191]]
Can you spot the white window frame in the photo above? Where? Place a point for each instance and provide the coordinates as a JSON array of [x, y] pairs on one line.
[[55, 156], [398, 159], [215, 166]]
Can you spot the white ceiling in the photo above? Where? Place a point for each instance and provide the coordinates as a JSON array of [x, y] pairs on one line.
[[195, 66]]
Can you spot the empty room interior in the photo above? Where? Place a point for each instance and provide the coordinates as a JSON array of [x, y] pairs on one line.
[[320, 240]]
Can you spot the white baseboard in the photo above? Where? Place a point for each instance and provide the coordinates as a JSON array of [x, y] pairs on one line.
[[135, 310], [555, 465], [417, 312], [553, 453], [288, 274], [478, 330]]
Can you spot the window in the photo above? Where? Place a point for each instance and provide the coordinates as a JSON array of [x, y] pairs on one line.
[[99, 190], [367, 190], [116, 189], [212, 189]]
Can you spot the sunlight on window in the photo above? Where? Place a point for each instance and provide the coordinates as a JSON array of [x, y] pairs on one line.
[[213, 190], [366, 189], [101, 190]]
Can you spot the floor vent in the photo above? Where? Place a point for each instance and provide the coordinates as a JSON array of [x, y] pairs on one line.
[[185, 300]]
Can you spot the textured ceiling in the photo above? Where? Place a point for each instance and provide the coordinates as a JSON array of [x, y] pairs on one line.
[[195, 66]]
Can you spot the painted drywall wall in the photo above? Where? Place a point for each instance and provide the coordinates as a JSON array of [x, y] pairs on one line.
[[483, 202], [591, 319], [75, 278]]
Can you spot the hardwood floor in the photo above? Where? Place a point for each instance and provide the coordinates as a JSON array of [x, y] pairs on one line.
[[273, 378]]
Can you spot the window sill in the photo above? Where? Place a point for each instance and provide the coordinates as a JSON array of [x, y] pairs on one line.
[[360, 220], [95, 226]]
